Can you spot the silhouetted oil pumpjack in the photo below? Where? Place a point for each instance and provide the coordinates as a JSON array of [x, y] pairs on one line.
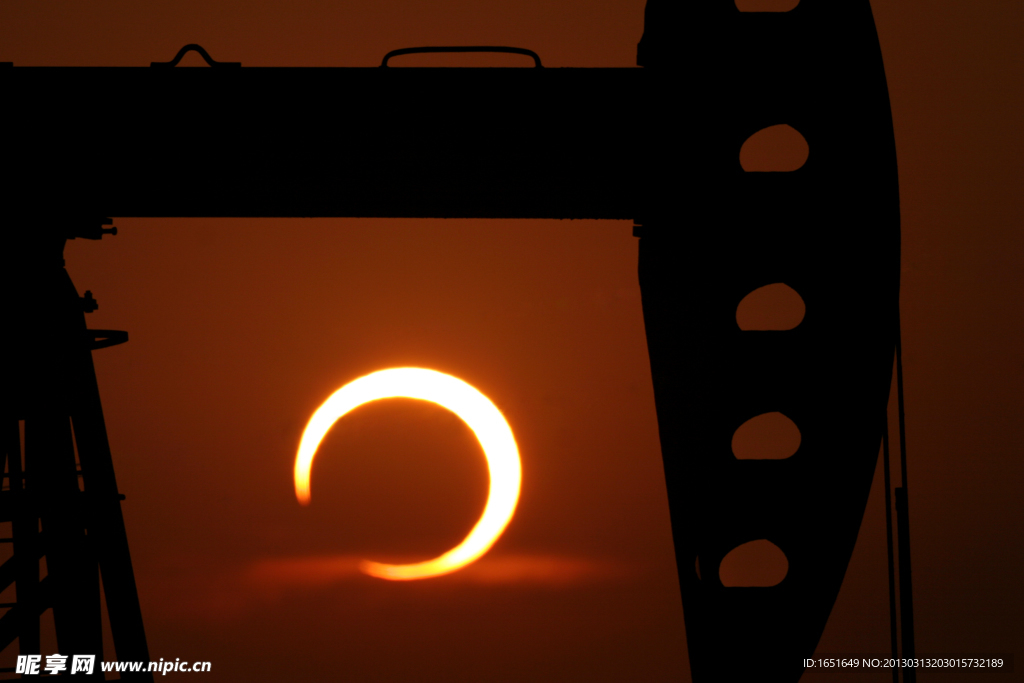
[[659, 145]]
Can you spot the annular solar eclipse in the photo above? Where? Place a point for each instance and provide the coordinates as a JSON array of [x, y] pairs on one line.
[[475, 409]]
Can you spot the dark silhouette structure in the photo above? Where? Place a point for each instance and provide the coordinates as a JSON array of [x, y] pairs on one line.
[[829, 230], [61, 495], [663, 149]]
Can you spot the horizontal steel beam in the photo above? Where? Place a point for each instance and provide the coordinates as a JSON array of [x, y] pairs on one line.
[[419, 142]]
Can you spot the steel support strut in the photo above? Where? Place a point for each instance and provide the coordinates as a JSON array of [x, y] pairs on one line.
[[64, 503]]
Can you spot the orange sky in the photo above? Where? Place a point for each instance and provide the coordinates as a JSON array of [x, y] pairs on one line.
[[240, 328]]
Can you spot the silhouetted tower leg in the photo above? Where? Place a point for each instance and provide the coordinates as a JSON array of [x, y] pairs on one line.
[[22, 568], [62, 499]]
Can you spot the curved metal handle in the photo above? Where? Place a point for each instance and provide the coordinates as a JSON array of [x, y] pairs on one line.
[[192, 47], [465, 48]]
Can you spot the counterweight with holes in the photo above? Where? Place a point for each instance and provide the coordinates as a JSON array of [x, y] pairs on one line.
[[711, 234]]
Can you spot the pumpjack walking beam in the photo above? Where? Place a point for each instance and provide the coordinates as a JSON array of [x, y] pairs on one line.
[[658, 144], [55, 436]]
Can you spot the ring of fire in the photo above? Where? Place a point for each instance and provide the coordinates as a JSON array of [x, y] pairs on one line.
[[475, 409]]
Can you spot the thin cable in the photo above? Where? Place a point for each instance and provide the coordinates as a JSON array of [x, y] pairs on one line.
[[902, 415], [903, 524], [893, 630]]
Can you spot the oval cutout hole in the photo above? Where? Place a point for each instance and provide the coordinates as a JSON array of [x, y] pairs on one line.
[[768, 436], [778, 148], [766, 5], [754, 564], [772, 307]]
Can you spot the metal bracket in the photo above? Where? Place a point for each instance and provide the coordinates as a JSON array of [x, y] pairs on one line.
[[89, 304], [101, 339], [89, 230]]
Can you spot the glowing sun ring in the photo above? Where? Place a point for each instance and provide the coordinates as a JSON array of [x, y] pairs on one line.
[[475, 409]]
